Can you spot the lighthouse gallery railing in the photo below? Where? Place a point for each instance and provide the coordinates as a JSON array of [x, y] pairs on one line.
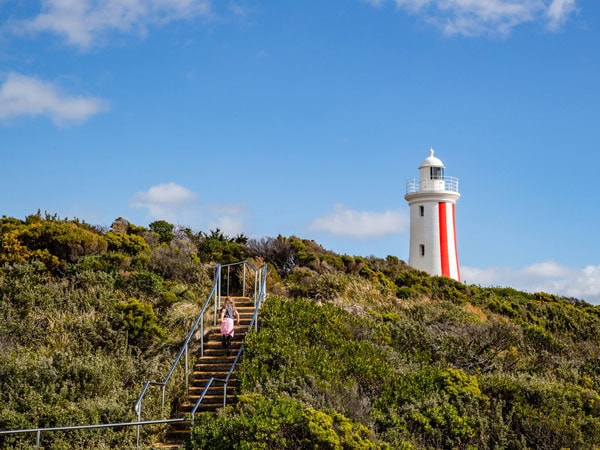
[[414, 185]]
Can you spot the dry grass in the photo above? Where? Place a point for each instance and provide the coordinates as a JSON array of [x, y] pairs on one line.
[[476, 311]]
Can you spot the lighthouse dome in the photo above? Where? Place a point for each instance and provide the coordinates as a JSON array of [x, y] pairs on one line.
[[431, 161]]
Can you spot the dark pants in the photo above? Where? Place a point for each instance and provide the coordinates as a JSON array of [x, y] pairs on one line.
[[226, 342]]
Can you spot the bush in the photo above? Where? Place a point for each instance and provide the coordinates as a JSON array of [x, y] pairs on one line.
[[279, 423], [127, 243], [145, 282], [436, 408], [543, 413], [140, 322], [67, 241]]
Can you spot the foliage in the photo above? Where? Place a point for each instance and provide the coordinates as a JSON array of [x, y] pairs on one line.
[[216, 247], [79, 333], [281, 423], [319, 353], [353, 352], [437, 408], [145, 281], [67, 241], [164, 230], [434, 373], [140, 322], [130, 244], [177, 261], [544, 412]]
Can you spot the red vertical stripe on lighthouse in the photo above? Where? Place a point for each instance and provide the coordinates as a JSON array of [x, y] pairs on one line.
[[444, 240], [455, 244]]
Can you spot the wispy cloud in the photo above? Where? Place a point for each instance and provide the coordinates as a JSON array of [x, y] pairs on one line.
[[179, 205], [489, 17], [375, 2], [361, 224], [165, 201], [83, 23], [22, 95], [558, 12], [541, 277], [228, 224]]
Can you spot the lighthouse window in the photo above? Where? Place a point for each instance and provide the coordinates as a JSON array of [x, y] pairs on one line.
[[422, 210], [437, 173], [422, 249]]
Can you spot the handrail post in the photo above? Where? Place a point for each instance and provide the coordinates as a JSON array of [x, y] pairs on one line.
[[217, 293], [37, 438], [162, 408], [215, 309], [228, 277], [139, 419], [256, 274], [224, 394], [244, 281], [187, 385], [202, 337]]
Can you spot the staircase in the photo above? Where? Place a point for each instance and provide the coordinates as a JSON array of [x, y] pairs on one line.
[[214, 364]]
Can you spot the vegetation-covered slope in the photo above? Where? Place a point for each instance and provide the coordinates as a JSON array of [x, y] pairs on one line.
[[352, 352], [423, 374]]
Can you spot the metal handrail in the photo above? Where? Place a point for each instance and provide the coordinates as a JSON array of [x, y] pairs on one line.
[[215, 297], [225, 382], [38, 431], [182, 352]]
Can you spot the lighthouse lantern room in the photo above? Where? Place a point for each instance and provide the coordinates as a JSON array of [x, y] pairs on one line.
[[432, 200]]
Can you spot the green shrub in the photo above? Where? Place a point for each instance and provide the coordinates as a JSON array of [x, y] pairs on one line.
[[543, 413], [146, 282], [164, 230], [126, 243], [140, 322], [68, 241], [279, 423], [436, 408]]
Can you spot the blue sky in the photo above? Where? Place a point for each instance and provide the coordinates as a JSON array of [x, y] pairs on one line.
[[307, 118]]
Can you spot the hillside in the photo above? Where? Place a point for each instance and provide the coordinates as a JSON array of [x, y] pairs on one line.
[[352, 352]]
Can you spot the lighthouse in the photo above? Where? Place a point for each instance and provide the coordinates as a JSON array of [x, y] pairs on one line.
[[432, 200]]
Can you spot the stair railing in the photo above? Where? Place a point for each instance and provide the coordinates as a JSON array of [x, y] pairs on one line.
[[259, 297], [214, 298], [38, 431], [260, 275]]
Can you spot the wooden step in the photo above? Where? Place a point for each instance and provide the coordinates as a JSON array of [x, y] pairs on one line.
[[209, 401], [195, 391]]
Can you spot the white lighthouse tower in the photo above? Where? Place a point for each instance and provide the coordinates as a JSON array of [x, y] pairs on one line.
[[432, 200]]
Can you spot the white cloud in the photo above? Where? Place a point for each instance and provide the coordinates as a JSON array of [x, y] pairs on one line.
[[558, 12], [21, 95], [179, 205], [486, 17], [83, 22], [165, 201], [229, 225], [361, 224], [227, 218], [541, 277], [375, 2], [412, 5]]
